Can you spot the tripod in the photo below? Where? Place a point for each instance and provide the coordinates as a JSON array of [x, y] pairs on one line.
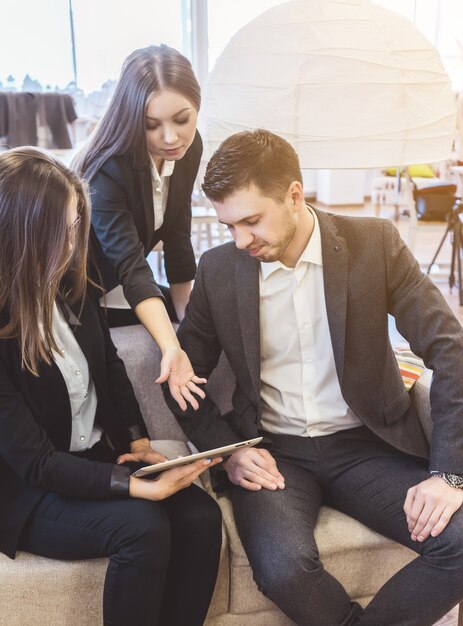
[[454, 226]]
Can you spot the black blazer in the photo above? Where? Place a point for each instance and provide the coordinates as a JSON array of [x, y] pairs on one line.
[[35, 426], [368, 272], [124, 229]]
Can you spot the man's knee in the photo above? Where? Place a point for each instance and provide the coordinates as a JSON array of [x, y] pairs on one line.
[[447, 548], [278, 571]]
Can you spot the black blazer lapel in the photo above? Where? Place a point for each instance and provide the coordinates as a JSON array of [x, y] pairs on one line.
[[247, 289], [144, 177], [85, 325], [335, 266], [176, 197]]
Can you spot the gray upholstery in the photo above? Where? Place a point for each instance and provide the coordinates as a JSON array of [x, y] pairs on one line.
[[44, 592]]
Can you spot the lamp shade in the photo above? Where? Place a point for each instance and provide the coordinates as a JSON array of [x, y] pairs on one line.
[[348, 83]]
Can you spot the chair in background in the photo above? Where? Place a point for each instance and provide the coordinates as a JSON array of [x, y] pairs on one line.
[[434, 202], [206, 229], [429, 206], [389, 189]]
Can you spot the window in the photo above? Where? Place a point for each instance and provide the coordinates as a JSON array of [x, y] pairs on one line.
[[107, 31], [35, 41]]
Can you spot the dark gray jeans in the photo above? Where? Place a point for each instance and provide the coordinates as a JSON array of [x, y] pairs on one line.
[[357, 473]]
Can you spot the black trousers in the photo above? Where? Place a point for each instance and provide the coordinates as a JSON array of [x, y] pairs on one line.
[[163, 556], [357, 473]]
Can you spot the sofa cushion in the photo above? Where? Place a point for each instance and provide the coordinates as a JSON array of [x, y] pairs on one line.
[[39, 591]]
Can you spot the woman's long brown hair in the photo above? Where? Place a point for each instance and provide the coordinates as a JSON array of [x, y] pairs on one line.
[[122, 129], [40, 255]]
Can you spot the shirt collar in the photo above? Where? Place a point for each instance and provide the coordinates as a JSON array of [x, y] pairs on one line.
[[167, 169], [312, 253]]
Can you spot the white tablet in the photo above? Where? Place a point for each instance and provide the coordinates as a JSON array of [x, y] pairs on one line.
[[191, 458]]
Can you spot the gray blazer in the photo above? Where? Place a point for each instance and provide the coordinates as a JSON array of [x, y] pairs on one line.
[[368, 273]]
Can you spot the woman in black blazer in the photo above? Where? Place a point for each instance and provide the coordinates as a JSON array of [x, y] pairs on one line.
[[69, 419], [141, 164]]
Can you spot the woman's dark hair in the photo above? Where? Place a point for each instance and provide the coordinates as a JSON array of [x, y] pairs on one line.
[[122, 129], [257, 157], [41, 255]]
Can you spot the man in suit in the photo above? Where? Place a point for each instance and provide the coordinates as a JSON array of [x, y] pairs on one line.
[[299, 303]]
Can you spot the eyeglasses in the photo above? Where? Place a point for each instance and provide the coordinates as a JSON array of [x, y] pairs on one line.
[[72, 227]]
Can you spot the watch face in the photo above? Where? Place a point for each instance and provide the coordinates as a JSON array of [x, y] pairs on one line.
[[454, 480]]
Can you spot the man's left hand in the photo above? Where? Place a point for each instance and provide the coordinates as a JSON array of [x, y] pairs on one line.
[[429, 507]]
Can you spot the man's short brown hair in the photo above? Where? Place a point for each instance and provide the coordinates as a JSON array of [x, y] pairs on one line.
[[257, 157]]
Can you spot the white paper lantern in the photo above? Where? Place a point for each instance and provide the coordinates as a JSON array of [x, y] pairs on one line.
[[348, 83]]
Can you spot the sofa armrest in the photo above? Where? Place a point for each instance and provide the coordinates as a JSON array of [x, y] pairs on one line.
[[142, 359]]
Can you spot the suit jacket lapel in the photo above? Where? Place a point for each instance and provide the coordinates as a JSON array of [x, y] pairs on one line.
[[85, 327], [148, 208], [335, 267], [247, 290], [176, 196]]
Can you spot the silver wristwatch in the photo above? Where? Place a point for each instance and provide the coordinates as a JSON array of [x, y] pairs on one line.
[[454, 480]]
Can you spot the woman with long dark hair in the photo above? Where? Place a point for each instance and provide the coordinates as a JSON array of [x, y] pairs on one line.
[[68, 412], [141, 164]]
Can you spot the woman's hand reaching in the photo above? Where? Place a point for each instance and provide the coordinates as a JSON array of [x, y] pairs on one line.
[[177, 370]]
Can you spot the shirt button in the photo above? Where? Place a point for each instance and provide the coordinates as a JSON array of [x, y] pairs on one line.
[[62, 352], [309, 361], [77, 372], [82, 438], [85, 395]]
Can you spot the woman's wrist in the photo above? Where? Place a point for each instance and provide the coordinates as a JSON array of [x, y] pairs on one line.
[[169, 345], [153, 315], [144, 489]]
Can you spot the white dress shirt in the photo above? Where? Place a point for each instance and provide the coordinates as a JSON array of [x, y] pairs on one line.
[[115, 299], [82, 395], [300, 390], [160, 184]]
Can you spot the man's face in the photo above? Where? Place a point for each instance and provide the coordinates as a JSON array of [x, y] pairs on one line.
[[262, 226]]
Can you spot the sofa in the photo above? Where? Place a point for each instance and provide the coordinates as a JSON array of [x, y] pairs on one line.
[[43, 592]]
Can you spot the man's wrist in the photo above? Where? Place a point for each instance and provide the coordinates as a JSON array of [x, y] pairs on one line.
[[453, 480]]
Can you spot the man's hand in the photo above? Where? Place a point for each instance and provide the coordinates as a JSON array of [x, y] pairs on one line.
[[429, 507], [253, 469]]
